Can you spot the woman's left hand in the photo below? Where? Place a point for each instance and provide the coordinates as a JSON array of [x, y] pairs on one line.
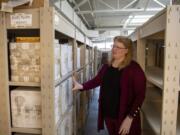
[[125, 126]]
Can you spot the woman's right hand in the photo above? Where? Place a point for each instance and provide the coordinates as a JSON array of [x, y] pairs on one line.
[[77, 86]]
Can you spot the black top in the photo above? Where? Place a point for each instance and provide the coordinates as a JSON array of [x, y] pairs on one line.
[[111, 92]]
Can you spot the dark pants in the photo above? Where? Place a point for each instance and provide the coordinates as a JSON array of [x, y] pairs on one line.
[[112, 126]]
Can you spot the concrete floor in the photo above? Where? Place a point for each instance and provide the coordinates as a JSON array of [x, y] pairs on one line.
[[91, 126]]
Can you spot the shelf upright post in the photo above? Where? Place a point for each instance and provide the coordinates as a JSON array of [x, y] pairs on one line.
[[5, 122], [74, 94], [47, 36], [151, 54], [83, 94], [95, 60], [141, 46], [171, 71]]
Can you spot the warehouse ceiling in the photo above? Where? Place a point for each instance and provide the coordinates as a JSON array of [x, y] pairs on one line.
[[116, 14]]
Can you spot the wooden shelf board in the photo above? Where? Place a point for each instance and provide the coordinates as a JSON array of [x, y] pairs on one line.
[[154, 25], [24, 84], [27, 130], [152, 108], [152, 113], [155, 76]]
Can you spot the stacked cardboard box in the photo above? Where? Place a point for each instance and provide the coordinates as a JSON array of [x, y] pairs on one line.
[[26, 107], [57, 59], [66, 127], [57, 104], [27, 39], [69, 95], [64, 59], [64, 91], [78, 57], [25, 62], [87, 56], [70, 58], [87, 72], [70, 121]]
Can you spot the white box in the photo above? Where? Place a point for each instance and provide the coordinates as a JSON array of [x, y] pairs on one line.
[[78, 58], [25, 62], [57, 104], [63, 92], [63, 129], [70, 58], [70, 121], [88, 72], [66, 127], [57, 61], [26, 107], [69, 96], [82, 77], [64, 59], [87, 56]]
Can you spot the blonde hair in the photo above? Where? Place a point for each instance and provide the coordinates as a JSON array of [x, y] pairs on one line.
[[127, 44]]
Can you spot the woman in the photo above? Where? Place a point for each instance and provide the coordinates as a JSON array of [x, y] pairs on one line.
[[122, 91]]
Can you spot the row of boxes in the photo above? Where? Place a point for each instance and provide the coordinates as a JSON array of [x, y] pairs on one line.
[[78, 57], [57, 58], [66, 126], [25, 61], [26, 104], [63, 99]]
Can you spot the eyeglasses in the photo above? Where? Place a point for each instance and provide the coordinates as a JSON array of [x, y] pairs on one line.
[[117, 47]]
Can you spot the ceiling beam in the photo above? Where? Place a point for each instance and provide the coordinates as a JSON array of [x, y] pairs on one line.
[[116, 28], [106, 4], [146, 4], [81, 14], [131, 3], [128, 21], [91, 7], [80, 4], [118, 1], [148, 10], [159, 3]]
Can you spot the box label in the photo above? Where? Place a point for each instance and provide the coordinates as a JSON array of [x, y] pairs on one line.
[[21, 20]]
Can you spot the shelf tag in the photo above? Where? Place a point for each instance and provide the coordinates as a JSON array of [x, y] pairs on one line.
[[21, 20]]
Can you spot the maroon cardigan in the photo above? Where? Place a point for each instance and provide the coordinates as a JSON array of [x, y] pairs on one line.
[[133, 86]]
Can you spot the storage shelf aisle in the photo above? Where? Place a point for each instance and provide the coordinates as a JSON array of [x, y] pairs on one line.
[[41, 91], [156, 50]]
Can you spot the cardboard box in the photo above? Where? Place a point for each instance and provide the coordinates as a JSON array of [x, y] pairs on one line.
[[57, 104], [57, 60], [70, 58], [64, 59], [66, 127], [69, 96], [27, 39], [70, 121], [87, 56], [26, 107], [63, 92], [25, 62], [78, 58]]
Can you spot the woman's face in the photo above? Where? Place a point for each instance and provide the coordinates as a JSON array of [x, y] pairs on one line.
[[118, 50]]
